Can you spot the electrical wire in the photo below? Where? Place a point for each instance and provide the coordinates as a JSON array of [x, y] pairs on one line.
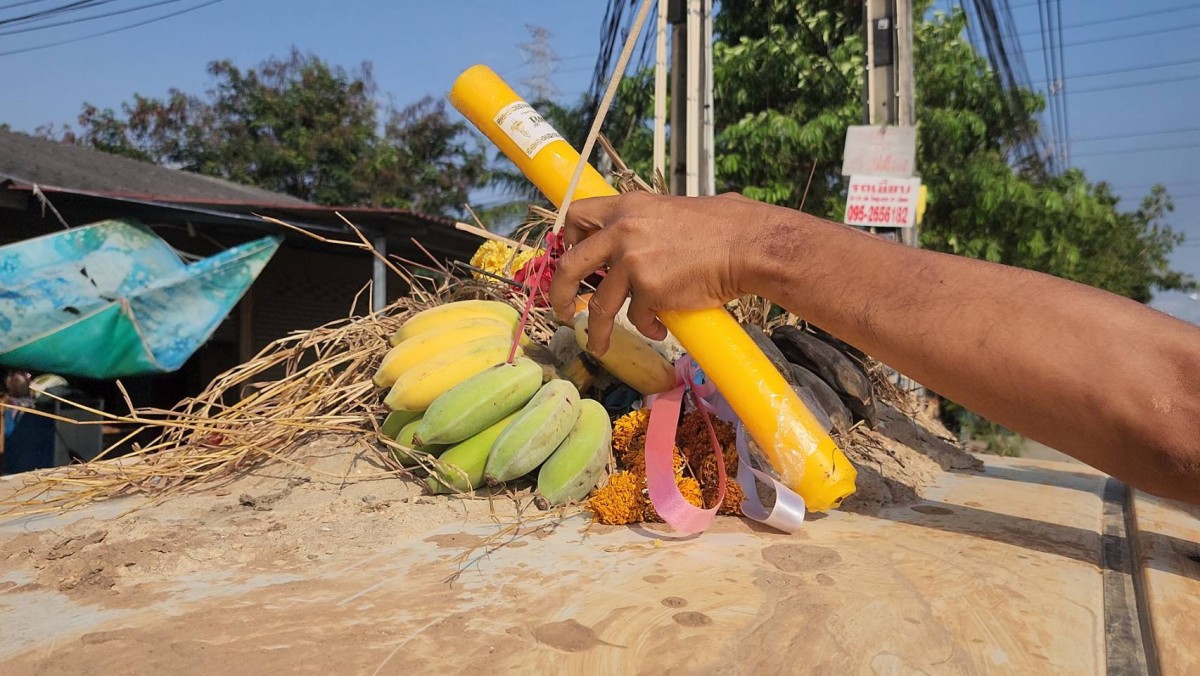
[[1127, 17], [1132, 69], [1131, 85], [138, 24], [1127, 151], [1086, 139], [1062, 69], [19, 4], [1113, 38], [93, 17], [1052, 80], [41, 14]]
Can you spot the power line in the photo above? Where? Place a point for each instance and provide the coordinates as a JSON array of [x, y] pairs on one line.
[[41, 14], [19, 4], [1062, 62], [1052, 75], [1132, 69], [88, 18], [111, 31], [1127, 17], [1084, 139], [1126, 151], [1129, 85], [1113, 38]]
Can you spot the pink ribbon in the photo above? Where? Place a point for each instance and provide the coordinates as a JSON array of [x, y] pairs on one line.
[[785, 514], [670, 504]]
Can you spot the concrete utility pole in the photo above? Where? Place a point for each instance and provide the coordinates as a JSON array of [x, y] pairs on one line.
[[661, 28], [677, 18], [891, 90], [692, 162]]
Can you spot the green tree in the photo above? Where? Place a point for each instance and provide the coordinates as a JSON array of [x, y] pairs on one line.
[[299, 126], [423, 161]]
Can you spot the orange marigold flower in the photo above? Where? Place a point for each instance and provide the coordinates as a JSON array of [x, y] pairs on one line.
[[733, 498], [620, 501], [693, 437], [628, 429]]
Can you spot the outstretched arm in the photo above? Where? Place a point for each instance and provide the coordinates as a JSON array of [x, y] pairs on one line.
[[1099, 377]]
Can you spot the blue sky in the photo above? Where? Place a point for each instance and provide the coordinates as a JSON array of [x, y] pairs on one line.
[[418, 48]]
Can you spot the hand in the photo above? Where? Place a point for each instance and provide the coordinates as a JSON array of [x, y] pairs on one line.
[[665, 253]]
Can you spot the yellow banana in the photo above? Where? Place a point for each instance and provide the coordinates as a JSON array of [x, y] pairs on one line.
[[537, 430], [460, 469], [479, 402], [417, 387], [576, 466], [630, 359], [431, 343], [451, 313]]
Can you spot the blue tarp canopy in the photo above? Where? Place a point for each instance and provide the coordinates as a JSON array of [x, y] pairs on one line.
[[112, 299]]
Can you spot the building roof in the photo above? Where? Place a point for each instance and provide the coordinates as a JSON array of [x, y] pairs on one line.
[[86, 185], [49, 164]]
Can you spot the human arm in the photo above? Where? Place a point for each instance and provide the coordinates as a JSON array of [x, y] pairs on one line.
[[1099, 377]]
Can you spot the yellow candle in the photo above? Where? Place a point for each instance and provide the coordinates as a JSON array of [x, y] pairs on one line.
[[806, 458]]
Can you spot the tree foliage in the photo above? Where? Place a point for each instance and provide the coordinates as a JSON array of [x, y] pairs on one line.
[[302, 127]]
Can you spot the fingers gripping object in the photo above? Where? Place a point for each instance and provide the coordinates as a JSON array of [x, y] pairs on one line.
[[804, 455]]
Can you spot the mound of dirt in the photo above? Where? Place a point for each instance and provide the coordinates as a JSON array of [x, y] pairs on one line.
[[898, 459]]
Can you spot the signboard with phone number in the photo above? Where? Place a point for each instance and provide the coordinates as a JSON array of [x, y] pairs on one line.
[[884, 202]]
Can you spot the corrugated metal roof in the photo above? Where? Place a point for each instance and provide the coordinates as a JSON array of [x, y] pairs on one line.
[[26, 159]]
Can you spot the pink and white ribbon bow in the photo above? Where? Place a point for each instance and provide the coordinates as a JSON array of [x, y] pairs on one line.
[[787, 512]]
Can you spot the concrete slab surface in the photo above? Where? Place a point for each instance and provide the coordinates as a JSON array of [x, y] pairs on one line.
[[1166, 538], [999, 572]]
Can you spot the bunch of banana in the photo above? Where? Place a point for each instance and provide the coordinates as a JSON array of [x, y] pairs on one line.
[[455, 397], [443, 346], [506, 424]]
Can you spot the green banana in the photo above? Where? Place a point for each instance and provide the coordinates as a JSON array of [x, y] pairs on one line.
[[395, 421], [538, 429], [405, 439], [460, 469], [479, 401], [576, 466]]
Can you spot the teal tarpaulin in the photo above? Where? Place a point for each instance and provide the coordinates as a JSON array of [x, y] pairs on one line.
[[112, 299]]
